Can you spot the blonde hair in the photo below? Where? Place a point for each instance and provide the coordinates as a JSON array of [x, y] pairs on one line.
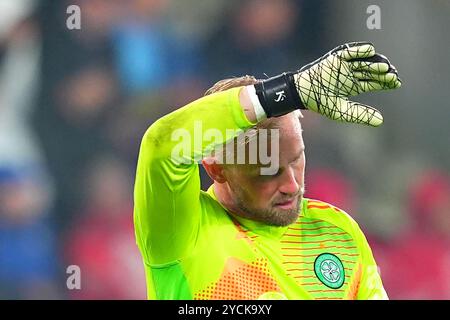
[[229, 83]]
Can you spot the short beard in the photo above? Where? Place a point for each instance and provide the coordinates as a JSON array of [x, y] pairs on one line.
[[272, 217]]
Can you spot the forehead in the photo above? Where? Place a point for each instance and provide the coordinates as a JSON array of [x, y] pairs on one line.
[[279, 138], [282, 143], [289, 129], [289, 122]]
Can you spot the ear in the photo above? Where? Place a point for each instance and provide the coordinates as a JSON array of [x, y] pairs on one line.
[[214, 170]]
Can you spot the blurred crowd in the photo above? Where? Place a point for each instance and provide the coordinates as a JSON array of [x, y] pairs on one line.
[[74, 105]]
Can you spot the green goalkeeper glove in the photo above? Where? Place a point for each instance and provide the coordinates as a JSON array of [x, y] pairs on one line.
[[325, 85]]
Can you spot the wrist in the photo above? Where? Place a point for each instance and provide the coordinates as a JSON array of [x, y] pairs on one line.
[[278, 95], [247, 104], [258, 111]]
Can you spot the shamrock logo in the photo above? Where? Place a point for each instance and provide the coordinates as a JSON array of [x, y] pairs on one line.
[[330, 270]]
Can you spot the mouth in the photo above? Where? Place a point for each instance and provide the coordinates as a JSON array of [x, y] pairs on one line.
[[287, 204]]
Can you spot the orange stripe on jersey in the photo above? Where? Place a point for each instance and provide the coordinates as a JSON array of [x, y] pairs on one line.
[[312, 229], [309, 262], [349, 254], [318, 248], [300, 255], [321, 205], [334, 240], [334, 290], [316, 206], [313, 255], [316, 235], [314, 201], [305, 277], [309, 222], [354, 285], [298, 269], [311, 283]]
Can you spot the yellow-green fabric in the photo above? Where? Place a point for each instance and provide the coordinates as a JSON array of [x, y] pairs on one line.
[[193, 248]]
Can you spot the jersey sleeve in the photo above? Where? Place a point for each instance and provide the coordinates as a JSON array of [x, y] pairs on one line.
[[370, 286], [167, 209]]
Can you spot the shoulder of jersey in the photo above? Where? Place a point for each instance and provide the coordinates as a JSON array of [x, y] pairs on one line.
[[316, 209]]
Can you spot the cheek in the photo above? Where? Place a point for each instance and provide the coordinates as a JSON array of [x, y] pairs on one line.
[[266, 192], [300, 171]]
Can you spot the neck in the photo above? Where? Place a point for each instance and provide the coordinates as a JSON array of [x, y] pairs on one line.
[[223, 195]]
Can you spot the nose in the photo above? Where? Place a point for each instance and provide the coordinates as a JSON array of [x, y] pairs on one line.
[[289, 184]]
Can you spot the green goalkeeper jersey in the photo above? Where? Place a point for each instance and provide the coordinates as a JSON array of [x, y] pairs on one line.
[[193, 248]]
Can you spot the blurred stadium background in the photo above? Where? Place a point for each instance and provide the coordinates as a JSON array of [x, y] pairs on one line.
[[75, 103]]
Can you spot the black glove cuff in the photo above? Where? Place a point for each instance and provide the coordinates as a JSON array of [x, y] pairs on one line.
[[278, 95]]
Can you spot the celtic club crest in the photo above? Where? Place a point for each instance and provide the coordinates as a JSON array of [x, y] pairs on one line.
[[330, 270]]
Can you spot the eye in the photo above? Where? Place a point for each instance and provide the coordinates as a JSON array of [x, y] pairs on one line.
[[299, 159]]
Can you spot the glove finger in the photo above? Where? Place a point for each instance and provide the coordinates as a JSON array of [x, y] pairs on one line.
[[349, 45], [387, 78], [375, 67], [359, 51], [394, 70], [355, 112], [340, 109], [369, 85], [377, 57]]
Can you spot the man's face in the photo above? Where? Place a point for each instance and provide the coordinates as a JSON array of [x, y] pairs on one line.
[[272, 199]]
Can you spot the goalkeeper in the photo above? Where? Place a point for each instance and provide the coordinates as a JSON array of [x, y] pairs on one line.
[[254, 235]]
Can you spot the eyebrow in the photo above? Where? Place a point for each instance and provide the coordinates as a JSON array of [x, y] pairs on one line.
[[257, 167]]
